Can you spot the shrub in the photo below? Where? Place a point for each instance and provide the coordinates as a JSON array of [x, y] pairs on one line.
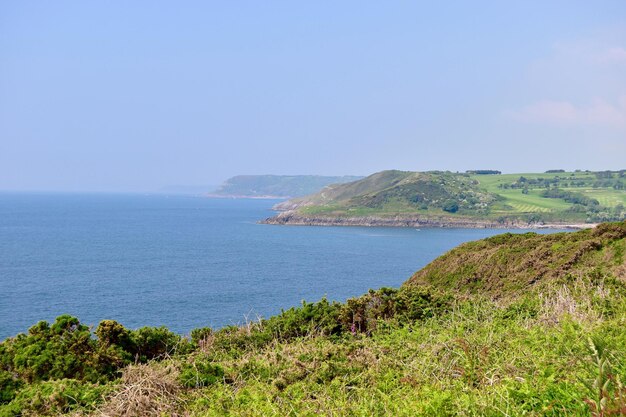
[[198, 336], [55, 397], [450, 206], [63, 350], [361, 314], [310, 318], [9, 386], [153, 342], [405, 305], [110, 332], [419, 303], [200, 374]]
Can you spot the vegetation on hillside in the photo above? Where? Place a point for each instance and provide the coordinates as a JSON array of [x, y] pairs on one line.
[[580, 196], [403, 191], [554, 197], [509, 264], [510, 325], [278, 185]]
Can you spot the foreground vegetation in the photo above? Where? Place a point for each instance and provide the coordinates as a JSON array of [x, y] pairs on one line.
[[553, 197], [510, 325]]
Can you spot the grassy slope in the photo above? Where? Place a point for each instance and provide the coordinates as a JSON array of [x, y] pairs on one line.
[[517, 325], [391, 193], [510, 264]]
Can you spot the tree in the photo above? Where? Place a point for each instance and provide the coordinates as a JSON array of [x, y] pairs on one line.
[[450, 206]]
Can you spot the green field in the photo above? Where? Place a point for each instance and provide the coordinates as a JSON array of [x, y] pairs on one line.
[[515, 201], [531, 202], [609, 198]]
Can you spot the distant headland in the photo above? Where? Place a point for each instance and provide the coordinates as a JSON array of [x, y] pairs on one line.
[[475, 199], [276, 186]]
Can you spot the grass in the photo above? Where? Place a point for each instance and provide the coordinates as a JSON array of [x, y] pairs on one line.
[[493, 182], [391, 209], [531, 202], [479, 359], [609, 198], [534, 203], [506, 264]]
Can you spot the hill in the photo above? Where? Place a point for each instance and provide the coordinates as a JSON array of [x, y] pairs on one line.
[[281, 186], [475, 199], [510, 264], [510, 325]]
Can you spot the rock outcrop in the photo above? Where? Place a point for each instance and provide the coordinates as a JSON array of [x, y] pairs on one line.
[[291, 217]]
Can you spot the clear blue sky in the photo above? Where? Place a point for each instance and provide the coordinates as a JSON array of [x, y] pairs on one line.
[[136, 95]]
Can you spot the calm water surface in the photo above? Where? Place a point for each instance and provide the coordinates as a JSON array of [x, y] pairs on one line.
[[187, 262]]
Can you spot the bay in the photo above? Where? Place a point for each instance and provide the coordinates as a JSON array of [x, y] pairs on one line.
[[187, 262]]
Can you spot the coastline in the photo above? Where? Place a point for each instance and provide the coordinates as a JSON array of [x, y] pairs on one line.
[[253, 197], [291, 218]]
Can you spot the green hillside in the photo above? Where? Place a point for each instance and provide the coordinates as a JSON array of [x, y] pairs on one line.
[[507, 326], [510, 264], [557, 197], [278, 185]]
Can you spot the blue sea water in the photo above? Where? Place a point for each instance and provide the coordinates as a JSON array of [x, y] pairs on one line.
[[187, 262]]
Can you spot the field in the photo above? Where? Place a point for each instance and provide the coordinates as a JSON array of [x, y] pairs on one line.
[[531, 202], [609, 198], [515, 201]]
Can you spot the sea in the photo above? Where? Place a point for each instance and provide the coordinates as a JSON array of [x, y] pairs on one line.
[[186, 262]]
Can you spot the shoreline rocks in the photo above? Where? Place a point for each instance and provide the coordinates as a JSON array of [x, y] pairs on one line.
[[295, 219]]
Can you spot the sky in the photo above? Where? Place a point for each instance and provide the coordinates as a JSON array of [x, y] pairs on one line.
[[135, 96]]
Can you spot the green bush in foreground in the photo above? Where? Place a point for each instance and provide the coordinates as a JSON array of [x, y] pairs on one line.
[[55, 397], [419, 355], [67, 350], [200, 374]]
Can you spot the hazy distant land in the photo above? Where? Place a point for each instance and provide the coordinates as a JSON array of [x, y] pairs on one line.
[[277, 186]]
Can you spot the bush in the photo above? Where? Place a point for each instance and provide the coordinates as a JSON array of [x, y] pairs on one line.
[[110, 332], [63, 350], [450, 206], [55, 397], [311, 318], [200, 374], [418, 303], [200, 335], [9, 386], [405, 305], [154, 342]]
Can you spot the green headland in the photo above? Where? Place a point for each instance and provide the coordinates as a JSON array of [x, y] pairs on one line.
[[511, 325], [472, 199]]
